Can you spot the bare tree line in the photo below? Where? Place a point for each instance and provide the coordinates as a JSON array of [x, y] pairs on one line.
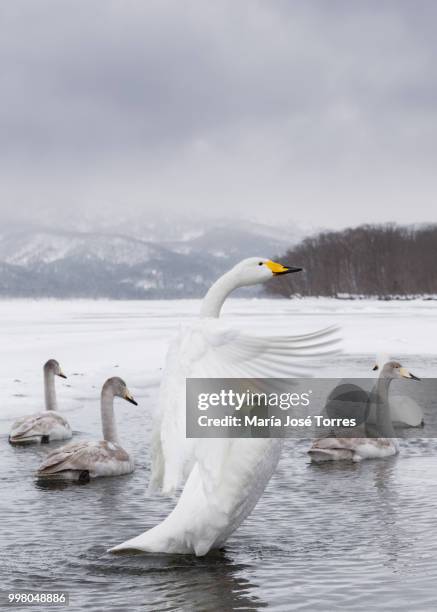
[[369, 260]]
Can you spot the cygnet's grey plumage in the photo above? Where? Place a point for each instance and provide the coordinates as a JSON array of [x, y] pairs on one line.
[[86, 459], [356, 449], [48, 425]]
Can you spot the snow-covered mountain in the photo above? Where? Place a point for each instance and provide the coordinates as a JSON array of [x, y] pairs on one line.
[[27, 248], [71, 263]]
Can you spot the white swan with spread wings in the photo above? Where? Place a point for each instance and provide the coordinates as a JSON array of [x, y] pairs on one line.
[[224, 478]]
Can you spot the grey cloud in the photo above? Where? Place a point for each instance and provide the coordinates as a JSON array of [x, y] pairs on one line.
[[253, 106]]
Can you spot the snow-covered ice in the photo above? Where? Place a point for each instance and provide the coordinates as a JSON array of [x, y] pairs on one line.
[[96, 339]]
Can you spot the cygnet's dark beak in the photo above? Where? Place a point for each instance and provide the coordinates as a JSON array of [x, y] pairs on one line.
[[62, 375], [406, 374]]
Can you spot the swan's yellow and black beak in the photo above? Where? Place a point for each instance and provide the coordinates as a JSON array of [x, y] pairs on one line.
[[406, 374], [279, 269], [128, 397], [375, 367], [61, 374]]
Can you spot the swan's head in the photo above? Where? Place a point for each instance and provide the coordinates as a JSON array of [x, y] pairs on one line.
[[393, 369], [118, 387], [254, 270], [53, 366]]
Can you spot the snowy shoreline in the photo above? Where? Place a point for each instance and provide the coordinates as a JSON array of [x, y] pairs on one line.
[[94, 339]]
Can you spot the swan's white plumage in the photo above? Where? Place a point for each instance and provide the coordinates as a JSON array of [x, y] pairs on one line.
[[203, 519], [212, 349], [224, 477]]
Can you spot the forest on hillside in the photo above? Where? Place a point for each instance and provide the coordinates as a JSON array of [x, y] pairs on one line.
[[370, 260]]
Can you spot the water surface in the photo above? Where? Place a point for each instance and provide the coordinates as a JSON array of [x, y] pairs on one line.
[[330, 537]]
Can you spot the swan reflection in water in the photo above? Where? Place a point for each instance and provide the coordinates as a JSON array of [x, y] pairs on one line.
[[213, 582]]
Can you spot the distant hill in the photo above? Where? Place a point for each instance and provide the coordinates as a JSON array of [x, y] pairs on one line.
[[370, 260], [38, 262]]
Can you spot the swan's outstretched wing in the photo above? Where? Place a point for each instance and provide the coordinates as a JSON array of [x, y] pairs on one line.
[[403, 411], [211, 349]]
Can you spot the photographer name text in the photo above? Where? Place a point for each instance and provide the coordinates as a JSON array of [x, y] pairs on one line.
[[286, 420]]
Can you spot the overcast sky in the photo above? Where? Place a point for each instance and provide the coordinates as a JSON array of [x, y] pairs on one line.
[[319, 112]]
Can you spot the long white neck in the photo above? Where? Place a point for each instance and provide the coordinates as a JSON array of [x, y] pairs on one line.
[[213, 301], [384, 423], [49, 389], [109, 427]]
